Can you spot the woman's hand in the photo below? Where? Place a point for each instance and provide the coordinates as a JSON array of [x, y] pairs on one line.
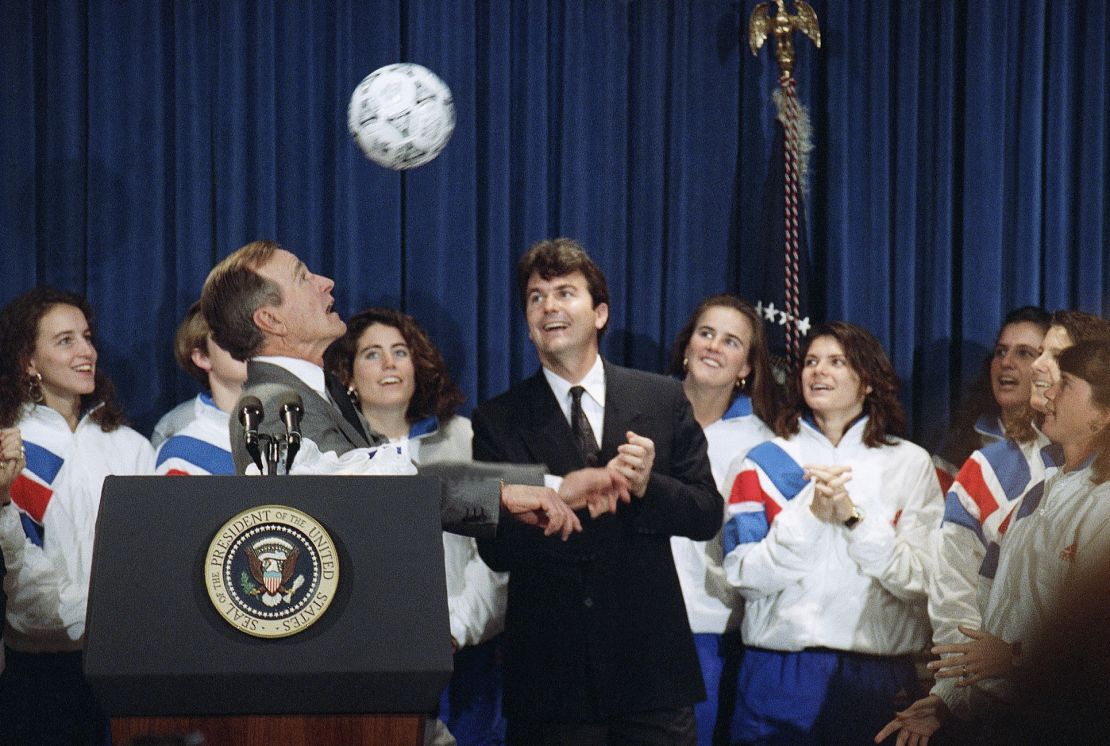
[[831, 502], [13, 457], [985, 657], [917, 723]]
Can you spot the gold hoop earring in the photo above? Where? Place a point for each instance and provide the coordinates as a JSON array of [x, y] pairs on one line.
[[685, 365], [34, 388]]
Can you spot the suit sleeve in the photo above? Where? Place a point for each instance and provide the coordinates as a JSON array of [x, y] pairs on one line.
[[494, 552], [681, 497], [470, 503]]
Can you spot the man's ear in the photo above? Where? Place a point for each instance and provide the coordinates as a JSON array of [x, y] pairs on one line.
[[602, 311], [269, 321], [200, 359]]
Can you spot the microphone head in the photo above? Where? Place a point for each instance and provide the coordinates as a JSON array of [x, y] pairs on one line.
[[290, 401], [249, 406]]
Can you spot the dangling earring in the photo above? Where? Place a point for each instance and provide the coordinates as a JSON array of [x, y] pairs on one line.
[[741, 382], [34, 388], [685, 365], [352, 395]]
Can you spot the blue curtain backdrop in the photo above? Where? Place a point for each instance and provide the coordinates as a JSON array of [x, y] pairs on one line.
[[960, 166]]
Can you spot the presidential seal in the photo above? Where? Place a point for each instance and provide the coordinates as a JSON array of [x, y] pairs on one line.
[[271, 571]]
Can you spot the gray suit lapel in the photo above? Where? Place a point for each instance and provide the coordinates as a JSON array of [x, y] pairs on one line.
[[261, 373]]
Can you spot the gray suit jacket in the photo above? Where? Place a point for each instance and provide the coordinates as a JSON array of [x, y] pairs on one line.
[[470, 501]]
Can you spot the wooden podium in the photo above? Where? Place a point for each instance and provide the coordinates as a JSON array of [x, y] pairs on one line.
[[288, 730], [163, 662]]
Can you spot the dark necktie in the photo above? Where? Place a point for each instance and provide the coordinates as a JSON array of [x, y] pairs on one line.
[[580, 426], [338, 393]]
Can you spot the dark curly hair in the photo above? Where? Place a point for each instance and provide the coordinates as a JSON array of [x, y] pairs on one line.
[[962, 438], [435, 393], [19, 328], [761, 386], [869, 361]]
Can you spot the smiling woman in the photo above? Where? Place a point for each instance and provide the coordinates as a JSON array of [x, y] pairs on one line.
[[998, 404], [721, 353], [51, 389], [833, 514], [1058, 538], [398, 381]]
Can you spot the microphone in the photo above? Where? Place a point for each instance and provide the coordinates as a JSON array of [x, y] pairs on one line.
[[291, 409], [249, 409]]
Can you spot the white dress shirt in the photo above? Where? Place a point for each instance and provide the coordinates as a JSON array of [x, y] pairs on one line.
[[593, 401]]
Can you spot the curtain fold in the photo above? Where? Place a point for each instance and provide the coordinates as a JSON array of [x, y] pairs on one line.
[[960, 167]]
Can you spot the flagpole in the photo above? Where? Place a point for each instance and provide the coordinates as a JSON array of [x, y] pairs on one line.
[[763, 24]]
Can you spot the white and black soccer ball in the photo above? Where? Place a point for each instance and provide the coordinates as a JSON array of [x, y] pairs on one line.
[[401, 115]]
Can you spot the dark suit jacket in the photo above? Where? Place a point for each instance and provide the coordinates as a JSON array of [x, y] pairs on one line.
[[596, 626], [470, 502]]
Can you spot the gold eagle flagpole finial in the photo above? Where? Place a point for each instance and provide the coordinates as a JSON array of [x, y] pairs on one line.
[[797, 143], [764, 22]]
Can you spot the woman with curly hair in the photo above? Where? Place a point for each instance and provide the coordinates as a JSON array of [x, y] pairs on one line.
[[73, 432], [399, 383], [828, 543], [721, 354], [997, 408]]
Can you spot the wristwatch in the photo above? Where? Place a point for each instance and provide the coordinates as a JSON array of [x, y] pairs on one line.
[[854, 518]]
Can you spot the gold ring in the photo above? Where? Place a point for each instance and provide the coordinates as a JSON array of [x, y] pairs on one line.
[[963, 671]]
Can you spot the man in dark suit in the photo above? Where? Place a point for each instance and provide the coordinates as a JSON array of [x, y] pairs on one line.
[[265, 307], [599, 646]]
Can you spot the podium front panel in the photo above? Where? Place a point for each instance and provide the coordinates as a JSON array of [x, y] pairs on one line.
[[156, 644]]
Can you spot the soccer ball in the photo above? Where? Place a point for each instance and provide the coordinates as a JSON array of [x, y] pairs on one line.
[[401, 115]]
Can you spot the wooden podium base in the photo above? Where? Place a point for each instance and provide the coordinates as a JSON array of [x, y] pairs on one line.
[[267, 730]]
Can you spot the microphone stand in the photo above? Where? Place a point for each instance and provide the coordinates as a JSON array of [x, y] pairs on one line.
[[275, 447]]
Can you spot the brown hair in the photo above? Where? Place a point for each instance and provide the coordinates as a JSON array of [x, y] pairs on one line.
[[1090, 360], [19, 328], [232, 293], [435, 393], [1080, 326], [761, 386], [869, 361], [556, 257], [963, 438], [192, 334]]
